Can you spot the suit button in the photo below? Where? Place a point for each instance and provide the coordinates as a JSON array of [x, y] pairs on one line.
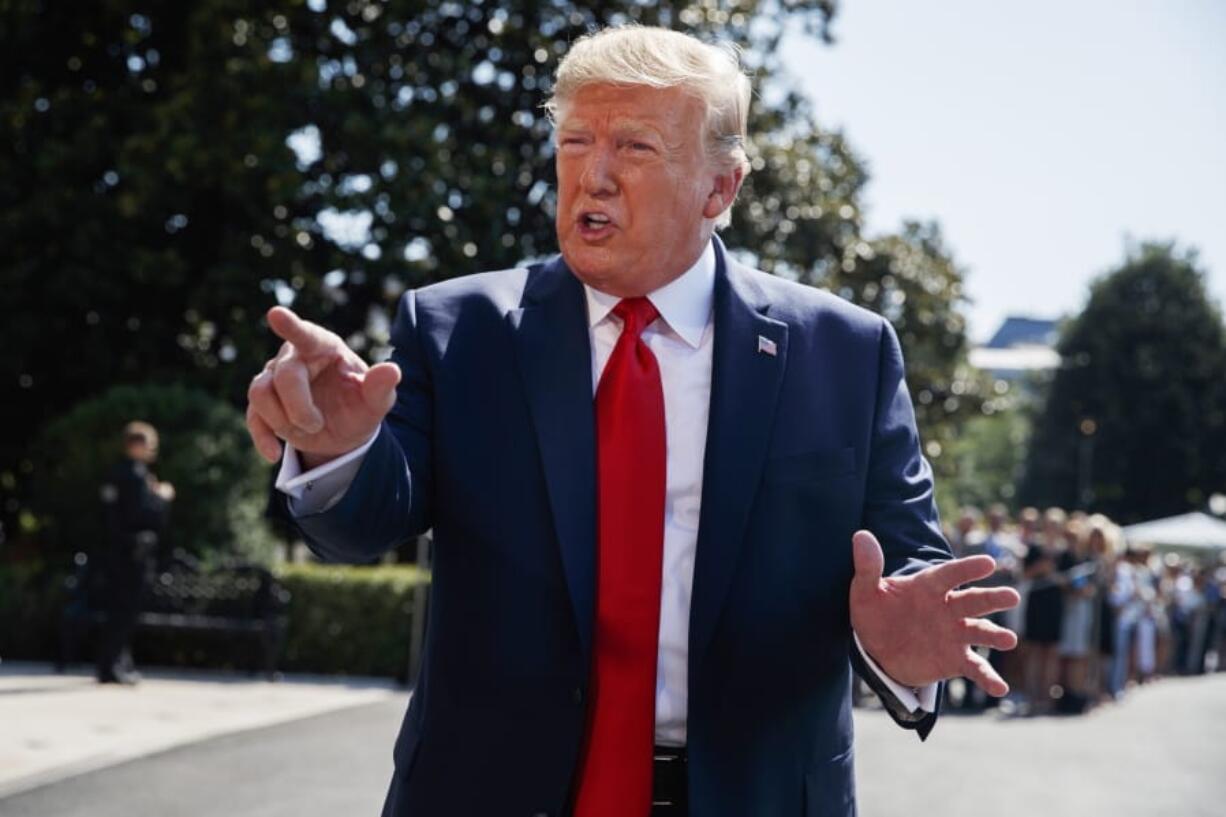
[[578, 695]]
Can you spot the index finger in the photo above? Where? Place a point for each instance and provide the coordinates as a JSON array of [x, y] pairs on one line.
[[308, 338], [960, 571]]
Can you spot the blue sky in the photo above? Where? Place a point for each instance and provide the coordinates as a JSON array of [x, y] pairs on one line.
[[1040, 135]]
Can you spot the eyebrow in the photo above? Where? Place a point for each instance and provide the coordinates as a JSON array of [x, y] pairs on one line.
[[624, 127]]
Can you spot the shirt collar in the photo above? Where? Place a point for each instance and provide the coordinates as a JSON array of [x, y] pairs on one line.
[[684, 303]]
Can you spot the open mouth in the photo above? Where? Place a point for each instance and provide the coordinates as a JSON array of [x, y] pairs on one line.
[[595, 225]]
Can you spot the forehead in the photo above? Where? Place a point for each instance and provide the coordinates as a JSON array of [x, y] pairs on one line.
[[669, 110]]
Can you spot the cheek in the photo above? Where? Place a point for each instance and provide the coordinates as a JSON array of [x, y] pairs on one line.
[[669, 201]]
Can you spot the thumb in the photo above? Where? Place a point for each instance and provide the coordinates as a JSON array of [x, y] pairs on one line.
[[867, 557], [379, 387]]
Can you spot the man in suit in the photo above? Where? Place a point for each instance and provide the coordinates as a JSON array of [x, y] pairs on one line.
[[136, 505], [651, 473]]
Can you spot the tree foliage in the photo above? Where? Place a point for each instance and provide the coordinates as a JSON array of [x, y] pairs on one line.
[[170, 173], [1135, 422]]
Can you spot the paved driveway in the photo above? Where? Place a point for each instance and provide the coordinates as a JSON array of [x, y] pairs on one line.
[[1161, 752]]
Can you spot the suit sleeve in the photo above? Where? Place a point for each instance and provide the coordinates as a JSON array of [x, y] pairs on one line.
[[900, 506], [391, 495]]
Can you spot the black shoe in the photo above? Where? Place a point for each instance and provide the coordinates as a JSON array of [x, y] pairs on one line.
[[130, 679]]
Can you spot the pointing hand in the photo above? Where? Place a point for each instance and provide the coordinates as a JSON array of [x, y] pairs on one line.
[[317, 394]]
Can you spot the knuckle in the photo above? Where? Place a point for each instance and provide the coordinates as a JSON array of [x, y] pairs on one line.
[[257, 389], [282, 374]]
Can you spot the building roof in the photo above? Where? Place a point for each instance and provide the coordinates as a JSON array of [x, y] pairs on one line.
[[1020, 331]]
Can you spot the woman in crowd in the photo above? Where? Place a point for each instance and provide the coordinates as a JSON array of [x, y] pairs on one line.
[[1044, 611], [1077, 570]]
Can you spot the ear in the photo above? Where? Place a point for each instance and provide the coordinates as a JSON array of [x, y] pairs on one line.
[[723, 192]]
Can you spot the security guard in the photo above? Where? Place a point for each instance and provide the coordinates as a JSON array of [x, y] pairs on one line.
[[136, 506]]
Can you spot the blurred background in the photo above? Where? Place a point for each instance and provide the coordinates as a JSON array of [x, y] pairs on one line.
[[1031, 194]]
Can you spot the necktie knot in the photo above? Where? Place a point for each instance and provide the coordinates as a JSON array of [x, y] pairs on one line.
[[636, 314]]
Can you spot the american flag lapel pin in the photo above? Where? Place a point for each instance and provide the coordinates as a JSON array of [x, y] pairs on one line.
[[766, 346]]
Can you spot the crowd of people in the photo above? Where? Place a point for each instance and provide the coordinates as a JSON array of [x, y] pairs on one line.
[[1097, 614]]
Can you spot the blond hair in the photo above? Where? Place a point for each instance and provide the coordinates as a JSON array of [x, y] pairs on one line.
[[662, 58], [139, 432]]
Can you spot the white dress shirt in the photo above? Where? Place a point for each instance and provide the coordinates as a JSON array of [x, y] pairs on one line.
[[681, 340]]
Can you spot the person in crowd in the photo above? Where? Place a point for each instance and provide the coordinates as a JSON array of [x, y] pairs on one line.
[[1189, 620], [1126, 601], [1103, 540], [136, 505], [1044, 610], [1077, 569], [1147, 634], [1167, 569], [966, 536], [1027, 533], [1000, 543], [1006, 548], [1215, 653]]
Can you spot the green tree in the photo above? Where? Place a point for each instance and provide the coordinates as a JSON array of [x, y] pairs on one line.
[[168, 174], [1135, 421], [985, 460], [912, 280]]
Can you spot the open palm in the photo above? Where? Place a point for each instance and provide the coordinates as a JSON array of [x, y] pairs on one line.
[[921, 628]]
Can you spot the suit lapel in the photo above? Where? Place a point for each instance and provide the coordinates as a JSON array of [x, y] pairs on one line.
[[551, 339], [745, 381]]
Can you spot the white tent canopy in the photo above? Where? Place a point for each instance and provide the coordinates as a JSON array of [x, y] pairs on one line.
[[1188, 530]]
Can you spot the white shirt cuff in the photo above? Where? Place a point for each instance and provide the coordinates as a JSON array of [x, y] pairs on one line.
[[320, 488], [911, 698]]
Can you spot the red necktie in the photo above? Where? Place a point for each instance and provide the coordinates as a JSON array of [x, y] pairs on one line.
[[615, 771]]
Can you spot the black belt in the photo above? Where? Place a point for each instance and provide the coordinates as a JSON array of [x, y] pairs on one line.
[[669, 788]]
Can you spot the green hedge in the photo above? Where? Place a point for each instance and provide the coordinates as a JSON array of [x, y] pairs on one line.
[[31, 598], [342, 620], [356, 620]]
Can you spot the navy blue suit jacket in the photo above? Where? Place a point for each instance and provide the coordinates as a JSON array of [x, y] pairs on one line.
[[491, 444]]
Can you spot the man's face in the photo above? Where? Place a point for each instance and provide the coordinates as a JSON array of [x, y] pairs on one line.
[[143, 452], [636, 190]]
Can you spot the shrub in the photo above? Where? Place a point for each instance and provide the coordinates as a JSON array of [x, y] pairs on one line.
[[220, 483], [356, 620], [31, 598], [342, 620]]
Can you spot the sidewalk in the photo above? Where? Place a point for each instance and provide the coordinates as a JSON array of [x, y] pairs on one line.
[[56, 726]]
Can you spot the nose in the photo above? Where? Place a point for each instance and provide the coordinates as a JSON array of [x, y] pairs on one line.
[[599, 173]]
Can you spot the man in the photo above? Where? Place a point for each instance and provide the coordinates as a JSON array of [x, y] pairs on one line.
[[643, 464], [136, 506]]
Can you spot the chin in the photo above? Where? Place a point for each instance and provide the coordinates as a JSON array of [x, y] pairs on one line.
[[595, 266]]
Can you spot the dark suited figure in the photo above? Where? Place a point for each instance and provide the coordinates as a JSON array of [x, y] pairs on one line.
[[655, 479], [136, 505]]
